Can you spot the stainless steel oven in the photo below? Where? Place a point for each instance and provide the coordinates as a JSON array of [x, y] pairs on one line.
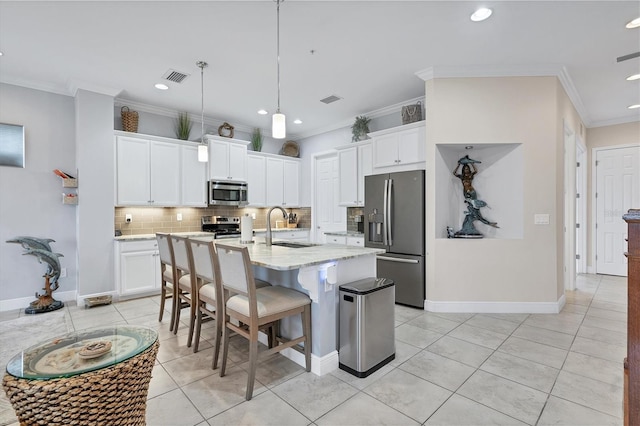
[[227, 193]]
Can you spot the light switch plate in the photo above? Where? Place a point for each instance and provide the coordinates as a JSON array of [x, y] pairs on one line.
[[179, 217], [541, 219]]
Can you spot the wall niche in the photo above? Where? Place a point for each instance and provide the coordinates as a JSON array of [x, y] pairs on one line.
[[499, 182]]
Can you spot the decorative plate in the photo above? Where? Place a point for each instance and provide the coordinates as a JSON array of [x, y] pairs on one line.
[[290, 149]]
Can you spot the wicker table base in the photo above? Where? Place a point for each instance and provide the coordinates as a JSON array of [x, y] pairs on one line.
[[115, 395]]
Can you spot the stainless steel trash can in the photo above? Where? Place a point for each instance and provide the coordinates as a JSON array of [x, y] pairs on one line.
[[367, 325]]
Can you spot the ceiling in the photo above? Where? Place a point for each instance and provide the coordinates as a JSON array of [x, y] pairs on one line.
[[366, 52]]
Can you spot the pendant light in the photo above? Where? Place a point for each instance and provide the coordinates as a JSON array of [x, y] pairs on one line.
[[203, 149], [278, 122]]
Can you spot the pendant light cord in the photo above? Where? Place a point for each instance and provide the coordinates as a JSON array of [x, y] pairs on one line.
[[202, 65], [278, 47]]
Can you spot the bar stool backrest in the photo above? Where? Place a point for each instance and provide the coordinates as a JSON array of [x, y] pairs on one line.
[[180, 254], [203, 253]]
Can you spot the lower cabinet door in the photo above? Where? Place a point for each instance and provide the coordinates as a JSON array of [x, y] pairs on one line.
[[138, 272]]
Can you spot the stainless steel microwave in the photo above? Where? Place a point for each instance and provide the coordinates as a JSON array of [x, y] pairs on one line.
[[227, 193]]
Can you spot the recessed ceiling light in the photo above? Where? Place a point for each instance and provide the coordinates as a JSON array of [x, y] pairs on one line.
[[634, 106], [481, 14], [468, 147], [262, 112], [161, 86], [633, 77], [297, 121], [1, 53], [633, 24]]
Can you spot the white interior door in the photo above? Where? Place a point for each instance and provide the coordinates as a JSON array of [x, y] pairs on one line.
[[617, 190], [581, 208], [329, 216]]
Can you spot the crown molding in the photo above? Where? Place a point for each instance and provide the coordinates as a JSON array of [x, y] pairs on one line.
[[381, 112], [615, 121], [537, 70], [35, 85], [74, 85]]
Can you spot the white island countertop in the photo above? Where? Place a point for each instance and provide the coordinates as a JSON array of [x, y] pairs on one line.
[[285, 258]]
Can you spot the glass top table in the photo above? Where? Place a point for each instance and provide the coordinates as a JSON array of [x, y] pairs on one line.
[[80, 352]]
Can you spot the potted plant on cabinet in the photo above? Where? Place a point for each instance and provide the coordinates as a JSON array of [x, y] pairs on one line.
[[256, 140], [183, 126], [360, 128]]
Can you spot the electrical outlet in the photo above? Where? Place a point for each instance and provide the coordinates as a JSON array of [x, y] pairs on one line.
[[179, 217], [128, 218], [63, 272]]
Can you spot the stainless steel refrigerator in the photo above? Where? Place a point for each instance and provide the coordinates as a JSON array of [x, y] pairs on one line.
[[394, 221]]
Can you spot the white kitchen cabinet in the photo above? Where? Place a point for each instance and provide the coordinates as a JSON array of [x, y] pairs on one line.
[[293, 234], [256, 180], [227, 158], [148, 172], [156, 171], [353, 240], [194, 178], [354, 162], [291, 183], [137, 267], [399, 147], [335, 239], [282, 182]]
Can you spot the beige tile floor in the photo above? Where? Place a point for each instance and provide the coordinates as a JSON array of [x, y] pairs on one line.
[[450, 369]]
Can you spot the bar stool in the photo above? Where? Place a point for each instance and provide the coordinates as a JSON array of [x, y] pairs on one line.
[[184, 291], [256, 308], [167, 277]]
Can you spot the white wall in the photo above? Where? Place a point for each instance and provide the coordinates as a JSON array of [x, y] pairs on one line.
[[95, 151], [31, 198], [518, 271]]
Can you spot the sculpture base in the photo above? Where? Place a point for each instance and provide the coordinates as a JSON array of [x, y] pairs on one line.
[[468, 236], [37, 308]]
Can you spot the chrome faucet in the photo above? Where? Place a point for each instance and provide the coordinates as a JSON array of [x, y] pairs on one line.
[[267, 238]]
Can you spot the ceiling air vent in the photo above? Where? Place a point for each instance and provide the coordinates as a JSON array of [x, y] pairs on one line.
[[330, 99], [175, 76]]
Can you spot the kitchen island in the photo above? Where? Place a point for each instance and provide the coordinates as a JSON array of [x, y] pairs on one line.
[[316, 270]]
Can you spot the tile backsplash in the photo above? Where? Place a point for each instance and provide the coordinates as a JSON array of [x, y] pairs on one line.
[[352, 212], [149, 220]]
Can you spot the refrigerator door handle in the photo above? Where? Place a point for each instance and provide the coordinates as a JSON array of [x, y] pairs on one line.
[[390, 221], [397, 259], [385, 219]]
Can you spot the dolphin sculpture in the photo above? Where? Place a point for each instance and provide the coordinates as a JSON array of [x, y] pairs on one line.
[[51, 259], [467, 160], [33, 243]]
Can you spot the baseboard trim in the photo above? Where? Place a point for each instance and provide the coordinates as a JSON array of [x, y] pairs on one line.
[[319, 365], [23, 302], [497, 307]]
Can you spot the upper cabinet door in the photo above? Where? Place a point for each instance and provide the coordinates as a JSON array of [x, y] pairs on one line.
[[194, 178], [165, 174], [385, 150], [132, 172], [237, 161], [348, 172], [256, 180], [291, 183], [365, 168], [218, 160], [274, 180], [411, 146]]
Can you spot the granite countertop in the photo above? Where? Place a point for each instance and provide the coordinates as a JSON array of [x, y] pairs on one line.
[[274, 230], [345, 233], [197, 234], [153, 236], [285, 258]]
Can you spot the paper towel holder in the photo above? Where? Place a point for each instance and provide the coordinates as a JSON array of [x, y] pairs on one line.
[[246, 229]]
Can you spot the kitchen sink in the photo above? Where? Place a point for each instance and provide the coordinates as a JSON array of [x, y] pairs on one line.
[[290, 244]]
